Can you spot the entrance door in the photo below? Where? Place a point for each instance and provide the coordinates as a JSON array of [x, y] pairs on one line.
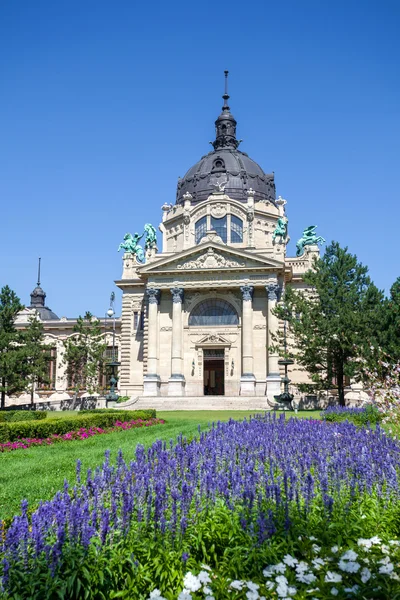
[[214, 373]]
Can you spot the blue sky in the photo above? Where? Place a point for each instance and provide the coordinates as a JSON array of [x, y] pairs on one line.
[[105, 104]]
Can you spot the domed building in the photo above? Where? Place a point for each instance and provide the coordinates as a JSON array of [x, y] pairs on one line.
[[197, 318]]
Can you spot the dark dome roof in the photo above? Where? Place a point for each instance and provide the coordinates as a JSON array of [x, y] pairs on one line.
[[38, 298], [226, 164], [227, 167]]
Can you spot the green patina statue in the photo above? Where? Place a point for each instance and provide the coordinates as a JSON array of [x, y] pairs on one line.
[[151, 237], [308, 238], [131, 244], [281, 228]]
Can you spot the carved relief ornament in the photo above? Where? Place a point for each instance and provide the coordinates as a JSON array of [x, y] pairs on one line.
[[218, 210], [211, 260]]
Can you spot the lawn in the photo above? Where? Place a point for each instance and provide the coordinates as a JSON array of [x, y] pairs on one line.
[[38, 473]]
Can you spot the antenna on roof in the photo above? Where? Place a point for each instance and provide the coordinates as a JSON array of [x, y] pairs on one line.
[[38, 277], [226, 95]]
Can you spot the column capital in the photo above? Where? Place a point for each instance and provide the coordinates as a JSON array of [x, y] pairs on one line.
[[153, 295], [177, 294], [273, 290], [247, 292]]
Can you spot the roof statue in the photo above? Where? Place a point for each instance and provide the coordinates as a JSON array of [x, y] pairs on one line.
[[281, 228], [309, 238], [151, 237], [131, 244]]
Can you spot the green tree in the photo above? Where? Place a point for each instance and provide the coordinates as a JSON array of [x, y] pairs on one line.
[[11, 377], [36, 354], [333, 326], [390, 331], [84, 353]]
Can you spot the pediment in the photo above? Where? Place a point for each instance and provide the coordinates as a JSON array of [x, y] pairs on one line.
[[213, 339], [211, 257]]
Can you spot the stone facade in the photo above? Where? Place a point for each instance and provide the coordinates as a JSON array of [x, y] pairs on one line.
[[173, 354]]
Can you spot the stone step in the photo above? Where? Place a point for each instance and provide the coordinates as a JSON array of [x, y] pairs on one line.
[[197, 403]]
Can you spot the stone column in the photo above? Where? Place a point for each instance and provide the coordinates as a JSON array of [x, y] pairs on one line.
[[247, 380], [176, 383], [152, 381], [273, 375]]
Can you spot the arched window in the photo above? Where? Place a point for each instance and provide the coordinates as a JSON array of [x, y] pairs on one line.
[[200, 229], [213, 312], [219, 225], [236, 230]]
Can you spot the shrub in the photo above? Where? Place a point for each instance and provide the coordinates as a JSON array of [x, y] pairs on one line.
[[123, 399], [11, 416], [359, 416], [10, 432], [148, 413]]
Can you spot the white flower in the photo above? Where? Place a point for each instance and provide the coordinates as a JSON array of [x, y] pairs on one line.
[[281, 579], [302, 566], [334, 592], [375, 540], [191, 582], [252, 595], [386, 569], [349, 567], [236, 585], [365, 575], [209, 598], [252, 586], [394, 576], [384, 561], [156, 594], [269, 571], [207, 590], [394, 542], [313, 590], [352, 590], [332, 577], [206, 567], [312, 538], [269, 585], [318, 563], [185, 595], [334, 549], [366, 544], [204, 577], [306, 577], [316, 548], [349, 555], [280, 568], [290, 560], [385, 549]]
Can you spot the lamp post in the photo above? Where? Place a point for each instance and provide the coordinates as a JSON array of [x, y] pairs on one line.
[[286, 396], [112, 396]]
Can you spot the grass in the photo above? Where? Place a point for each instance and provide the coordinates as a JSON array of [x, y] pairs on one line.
[[38, 473]]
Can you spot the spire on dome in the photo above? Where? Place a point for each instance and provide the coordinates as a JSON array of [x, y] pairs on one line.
[[38, 296], [225, 125]]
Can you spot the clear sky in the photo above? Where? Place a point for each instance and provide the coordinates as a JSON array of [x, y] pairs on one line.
[[104, 105]]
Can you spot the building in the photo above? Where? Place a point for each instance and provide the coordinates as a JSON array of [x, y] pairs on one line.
[[198, 317]]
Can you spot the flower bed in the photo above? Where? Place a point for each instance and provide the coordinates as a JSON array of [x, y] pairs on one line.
[[80, 434], [10, 432], [274, 508]]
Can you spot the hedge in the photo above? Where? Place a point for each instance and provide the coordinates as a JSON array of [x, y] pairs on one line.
[[9, 432], [7, 416], [149, 412]]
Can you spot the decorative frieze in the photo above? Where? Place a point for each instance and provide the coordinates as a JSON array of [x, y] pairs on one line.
[[211, 260]]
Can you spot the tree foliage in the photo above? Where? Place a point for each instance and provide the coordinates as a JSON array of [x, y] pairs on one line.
[[36, 354], [11, 353], [335, 324], [84, 353]]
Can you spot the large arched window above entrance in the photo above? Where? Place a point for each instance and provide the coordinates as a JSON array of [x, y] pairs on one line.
[[213, 312]]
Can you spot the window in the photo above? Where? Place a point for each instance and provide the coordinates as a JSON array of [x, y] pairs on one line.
[[219, 225], [236, 230], [105, 371], [213, 312], [200, 229], [50, 382], [138, 321]]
